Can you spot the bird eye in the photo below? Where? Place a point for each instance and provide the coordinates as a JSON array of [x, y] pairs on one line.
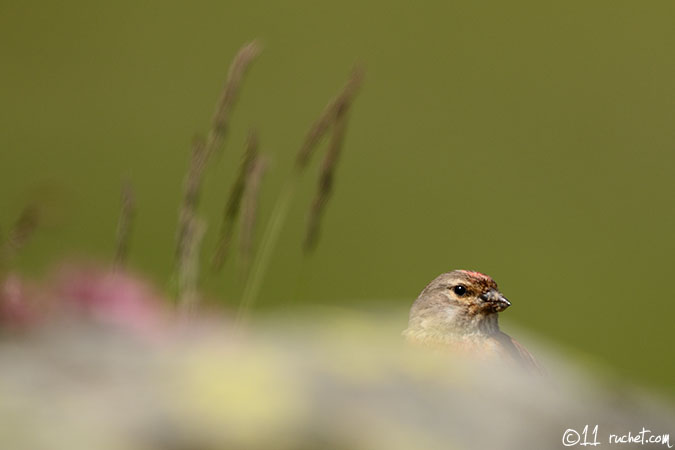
[[459, 290]]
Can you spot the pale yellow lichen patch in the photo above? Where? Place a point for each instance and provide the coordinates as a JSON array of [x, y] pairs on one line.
[[248, 397]]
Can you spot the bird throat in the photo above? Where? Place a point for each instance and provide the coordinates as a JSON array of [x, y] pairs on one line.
[[452, 328], [455, 331], [462, 324]]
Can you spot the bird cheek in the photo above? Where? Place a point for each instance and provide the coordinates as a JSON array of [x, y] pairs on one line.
[[452, 300]]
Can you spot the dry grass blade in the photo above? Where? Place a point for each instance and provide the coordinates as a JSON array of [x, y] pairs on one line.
[[325, 187], [20, 233], [188, 293], [250, 209], [221, 117], [190, 200], [234, 200], [264, 254], [190, 230], [125, 224], [327, 118], [201, 153], [202, 150], [330, 161]]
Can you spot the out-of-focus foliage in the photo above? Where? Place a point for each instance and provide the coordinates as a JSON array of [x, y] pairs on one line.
[[338, 380]]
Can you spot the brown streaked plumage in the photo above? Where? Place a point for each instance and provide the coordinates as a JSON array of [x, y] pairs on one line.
[[458, 311]]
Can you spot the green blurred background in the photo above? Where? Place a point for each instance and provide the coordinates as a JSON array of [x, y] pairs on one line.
[[532, 141]]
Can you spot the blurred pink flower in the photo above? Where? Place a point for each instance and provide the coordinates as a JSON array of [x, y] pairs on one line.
[[86, 293], [110, 297], [17, 308]]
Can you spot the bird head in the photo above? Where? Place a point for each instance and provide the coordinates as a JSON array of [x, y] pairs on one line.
[[460, 298]]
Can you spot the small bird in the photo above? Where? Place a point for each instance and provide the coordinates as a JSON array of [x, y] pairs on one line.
[[458, 311]]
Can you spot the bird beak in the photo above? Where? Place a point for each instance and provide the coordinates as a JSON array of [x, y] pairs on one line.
[[503, 303], [496, 300]]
